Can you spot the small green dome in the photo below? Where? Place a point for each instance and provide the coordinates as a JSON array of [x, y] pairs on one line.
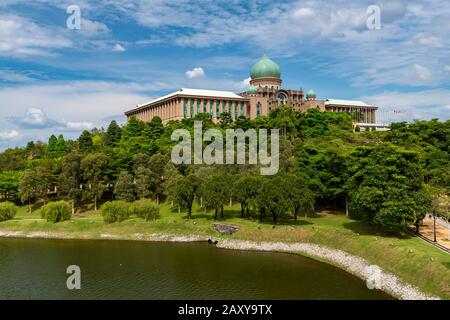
[[311, 94], [252, 89], [265, 68]]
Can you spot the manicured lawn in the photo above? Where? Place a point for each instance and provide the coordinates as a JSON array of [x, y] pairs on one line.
[[412, 259]]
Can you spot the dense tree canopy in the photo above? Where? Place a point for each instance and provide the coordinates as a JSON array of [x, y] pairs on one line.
[[386, 178]]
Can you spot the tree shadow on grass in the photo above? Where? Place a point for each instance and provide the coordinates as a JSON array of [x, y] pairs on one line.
[[362, 228], [287, 222], [446, 264]]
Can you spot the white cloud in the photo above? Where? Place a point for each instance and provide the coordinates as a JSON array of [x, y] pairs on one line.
[[22, 37], [430, 41], [93, 28], [423, 72], [303, 12], [426, 104], [119, 48], [195, 73], [80, 125], [447, 68], [34, 118], [10, 135], [12, 76], [244, 84]]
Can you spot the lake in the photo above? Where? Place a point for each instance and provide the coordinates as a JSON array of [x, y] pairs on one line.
[[36, 269]]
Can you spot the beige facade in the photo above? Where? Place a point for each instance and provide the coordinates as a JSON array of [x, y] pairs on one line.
[[187, 103], [264, 95]]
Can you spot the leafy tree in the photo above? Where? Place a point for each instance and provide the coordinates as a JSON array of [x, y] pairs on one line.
[[242, 122], [27, 187], [183, 191], [70, 178], [7, 211], [85, 142], [284, 118], [56, 211], [246, 189], [299, 197], [61, 146], [272, 197], [124, 188], [115, 211], [12, 159], [157, 165], [9, 184], [113, 134], [44, 180], [215, 194], [145, 209], [386, 184], [51, 147], [143, 178], [93, 173], [226, 119]]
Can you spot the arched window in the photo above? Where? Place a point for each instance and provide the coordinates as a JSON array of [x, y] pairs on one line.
[[258, 109], [281, 99]]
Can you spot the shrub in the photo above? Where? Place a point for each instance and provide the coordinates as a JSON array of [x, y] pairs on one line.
[[115, 211], [56, 211], [145, 209], [7, 211]]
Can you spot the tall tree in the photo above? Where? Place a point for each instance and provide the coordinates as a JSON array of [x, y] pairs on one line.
[[27, 187], [215, 193], [272, 197], [45, 180], [299, 197], [246, 189], [70, 178], [51, 150], [124, 188], [183, 191], [85, 142], [143, 178], [9, 184], [113, 134], [94, 177], [386, 186], [61, 146]]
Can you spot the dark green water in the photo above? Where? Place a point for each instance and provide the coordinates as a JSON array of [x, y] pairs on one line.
[[36, 269]]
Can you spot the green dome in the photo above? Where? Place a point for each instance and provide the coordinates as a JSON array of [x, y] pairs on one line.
[[311, 94], [252, 89], [265, 68]]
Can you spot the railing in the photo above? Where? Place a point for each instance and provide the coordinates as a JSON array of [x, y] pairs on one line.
[[437, 245]]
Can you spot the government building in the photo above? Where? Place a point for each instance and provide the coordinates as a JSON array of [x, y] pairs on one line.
[[264, 95]]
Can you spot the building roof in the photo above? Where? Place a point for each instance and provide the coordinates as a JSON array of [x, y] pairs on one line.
[[265, 68], [195, 92], [353, 103]]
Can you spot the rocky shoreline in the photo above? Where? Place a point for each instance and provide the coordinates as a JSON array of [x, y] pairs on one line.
[[374, 276]]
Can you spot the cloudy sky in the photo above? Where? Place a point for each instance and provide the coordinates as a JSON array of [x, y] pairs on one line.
[[54, 79]]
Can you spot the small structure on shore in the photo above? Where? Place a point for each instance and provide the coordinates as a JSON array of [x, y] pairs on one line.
[[226, 228]]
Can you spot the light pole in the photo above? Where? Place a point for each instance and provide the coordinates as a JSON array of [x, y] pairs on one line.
[[434, 225]]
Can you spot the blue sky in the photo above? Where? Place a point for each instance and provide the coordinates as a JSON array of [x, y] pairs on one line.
[[56, 80]]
